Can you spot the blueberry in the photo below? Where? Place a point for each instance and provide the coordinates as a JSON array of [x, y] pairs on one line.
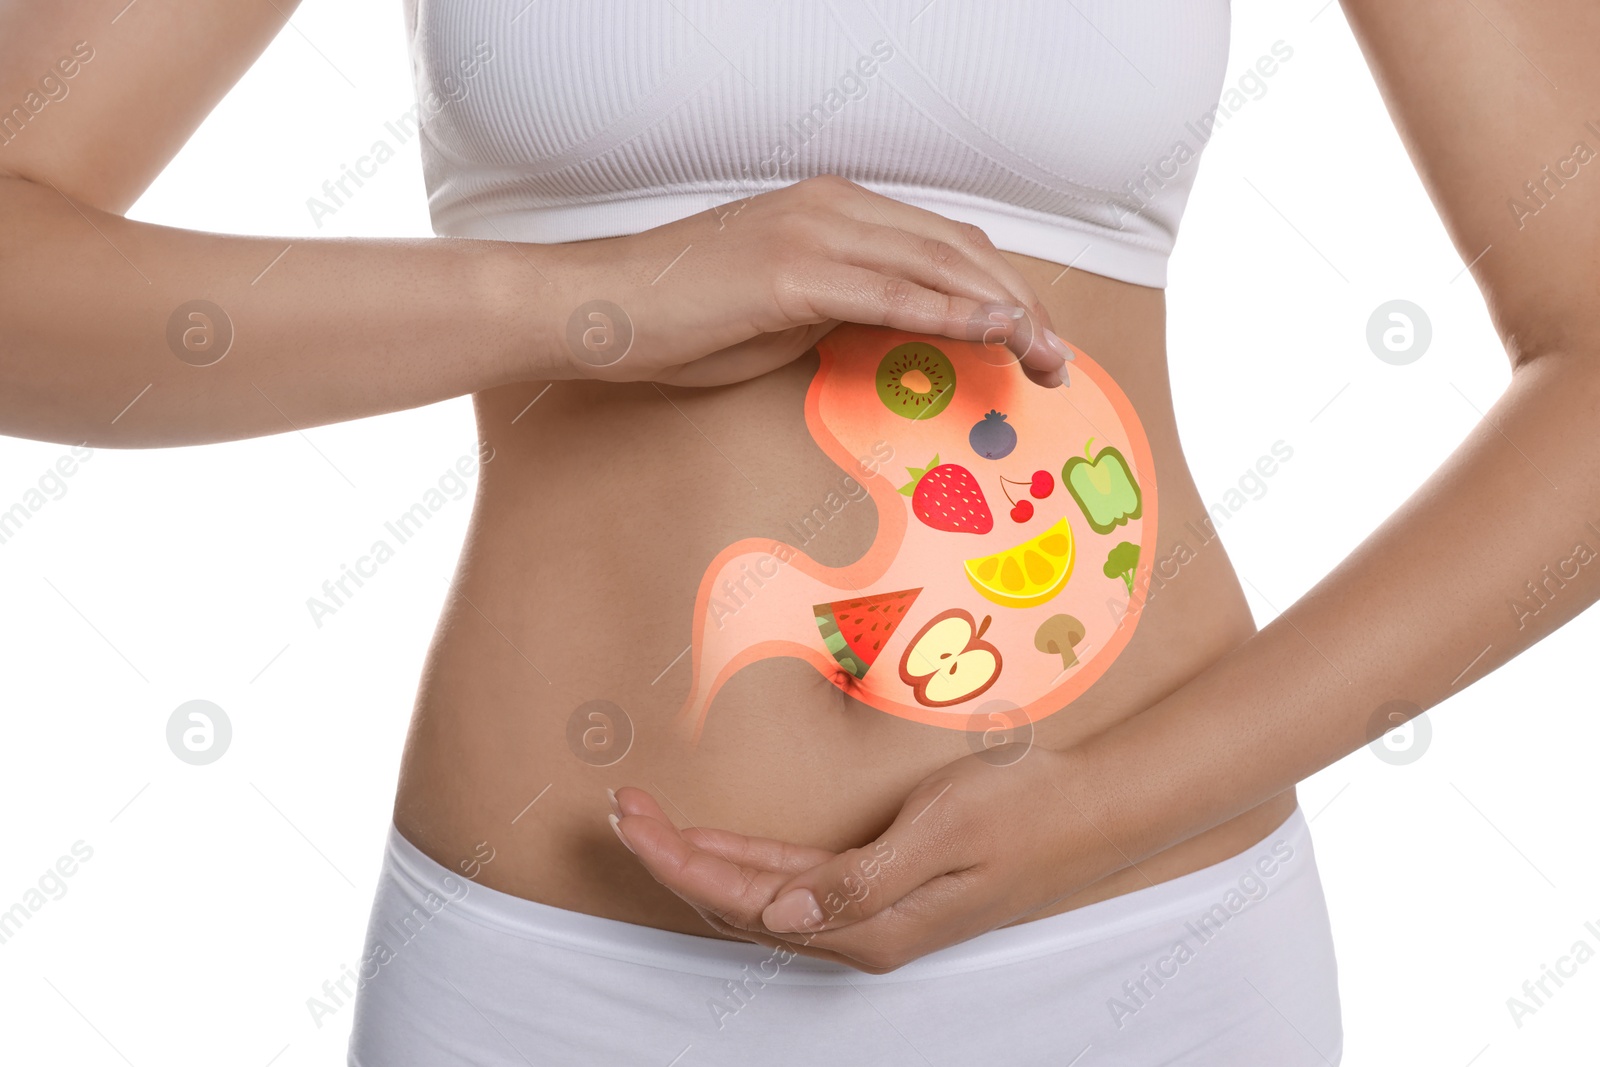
[[993, 437]]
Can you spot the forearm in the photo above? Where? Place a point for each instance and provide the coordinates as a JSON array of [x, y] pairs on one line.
[[96, 350], [1496, 550]]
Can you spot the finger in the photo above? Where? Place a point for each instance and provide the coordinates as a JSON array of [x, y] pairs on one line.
[[826, 289], [932, 916], [1047, 379], [923, 843], [1010, 339], [970, 239], [1011, 331], [976, 246], [734, 847], [941, 266], [927, 919], [937, 265], [786, 948], [700, 876], [631, 800], [726, 367], [928, 261], [758, 852], [729, 900], [1060, 376], [748, 359], [875, 945]]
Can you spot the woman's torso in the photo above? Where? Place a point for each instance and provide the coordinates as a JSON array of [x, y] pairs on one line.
[[563, 656], [601, 509]]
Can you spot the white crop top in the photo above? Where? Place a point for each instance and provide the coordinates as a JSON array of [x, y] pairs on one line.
[[1069, 130]]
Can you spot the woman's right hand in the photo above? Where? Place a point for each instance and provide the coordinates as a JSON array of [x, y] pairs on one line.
[[729, 294]]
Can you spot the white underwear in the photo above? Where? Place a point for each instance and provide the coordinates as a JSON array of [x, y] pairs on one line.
[[1230, 965]]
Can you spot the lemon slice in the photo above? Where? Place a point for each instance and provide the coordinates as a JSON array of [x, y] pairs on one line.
[[1029, 573]]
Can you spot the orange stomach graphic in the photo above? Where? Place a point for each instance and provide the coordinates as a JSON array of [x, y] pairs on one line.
[[1016, 529]]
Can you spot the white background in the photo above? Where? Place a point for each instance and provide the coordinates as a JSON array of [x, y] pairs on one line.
[[219, 898]]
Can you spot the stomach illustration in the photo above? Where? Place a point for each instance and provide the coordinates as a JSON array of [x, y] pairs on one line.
[[1016, 529]]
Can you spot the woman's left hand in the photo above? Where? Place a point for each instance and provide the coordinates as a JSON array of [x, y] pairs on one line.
[[980, 843]]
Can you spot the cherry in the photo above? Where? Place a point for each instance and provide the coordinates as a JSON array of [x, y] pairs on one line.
[[1042, 485], [1022, 510]]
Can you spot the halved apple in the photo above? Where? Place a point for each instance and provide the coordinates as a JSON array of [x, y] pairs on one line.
[[948, 661]]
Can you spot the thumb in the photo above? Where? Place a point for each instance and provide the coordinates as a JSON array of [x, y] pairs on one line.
[[858, 884], [748, 359]]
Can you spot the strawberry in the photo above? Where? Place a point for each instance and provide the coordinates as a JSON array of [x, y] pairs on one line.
[[946, 496]]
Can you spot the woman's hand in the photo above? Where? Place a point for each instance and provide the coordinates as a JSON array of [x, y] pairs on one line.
[[978, 844], [737, 291]]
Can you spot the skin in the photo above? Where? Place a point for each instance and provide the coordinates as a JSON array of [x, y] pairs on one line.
[[627, 504], [596, 515], [1416, 613], [540, 618], [357, 328]]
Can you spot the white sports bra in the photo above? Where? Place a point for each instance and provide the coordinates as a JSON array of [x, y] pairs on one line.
[[1068, 130]]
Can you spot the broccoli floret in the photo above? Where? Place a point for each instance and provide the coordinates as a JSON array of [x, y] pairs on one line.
[[1122, 562]]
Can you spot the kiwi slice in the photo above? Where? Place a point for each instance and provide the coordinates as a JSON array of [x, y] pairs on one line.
[[916, 380]]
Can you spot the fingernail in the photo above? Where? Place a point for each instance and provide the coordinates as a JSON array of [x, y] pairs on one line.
[[616, 828], [1063, 349], [611, 794], [796, 910]]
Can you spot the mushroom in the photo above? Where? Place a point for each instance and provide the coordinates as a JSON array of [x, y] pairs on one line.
[[1057, 636]]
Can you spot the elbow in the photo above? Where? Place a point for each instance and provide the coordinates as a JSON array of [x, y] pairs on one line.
[[1545, 310]]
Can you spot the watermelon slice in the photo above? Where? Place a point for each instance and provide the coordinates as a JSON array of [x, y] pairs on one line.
[[855, 631]]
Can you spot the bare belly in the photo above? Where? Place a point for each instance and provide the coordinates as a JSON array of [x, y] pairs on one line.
[[579, 647]]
